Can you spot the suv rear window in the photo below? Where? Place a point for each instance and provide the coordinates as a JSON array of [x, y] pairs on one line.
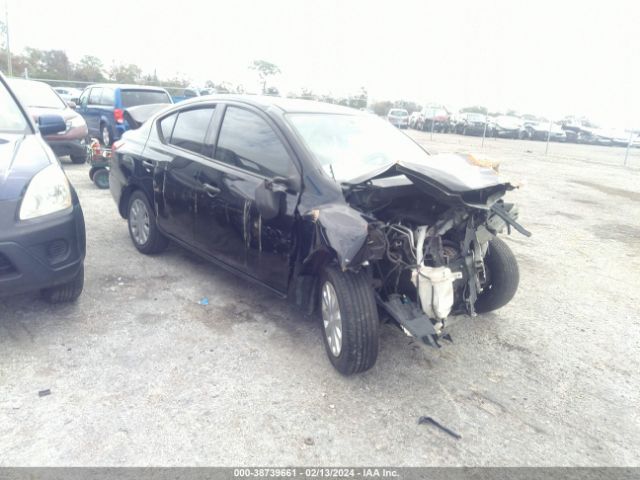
[[133, 98]]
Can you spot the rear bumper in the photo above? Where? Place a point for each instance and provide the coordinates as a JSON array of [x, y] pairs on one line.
[[41, 253]]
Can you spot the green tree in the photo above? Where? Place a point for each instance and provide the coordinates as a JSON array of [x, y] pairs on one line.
[[359, 100], [265, 70], [125, 73], [49, 64], [89, 69]]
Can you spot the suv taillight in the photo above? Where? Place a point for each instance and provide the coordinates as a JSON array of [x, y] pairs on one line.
[[118, 115]]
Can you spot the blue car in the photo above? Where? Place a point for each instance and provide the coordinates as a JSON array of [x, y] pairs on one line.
[[102, 107]]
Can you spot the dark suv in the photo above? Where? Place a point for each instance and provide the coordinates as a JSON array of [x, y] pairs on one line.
[[42, 237]]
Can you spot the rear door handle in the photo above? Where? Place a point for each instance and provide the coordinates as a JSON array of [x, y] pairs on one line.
[[211, 190], [147, 164]]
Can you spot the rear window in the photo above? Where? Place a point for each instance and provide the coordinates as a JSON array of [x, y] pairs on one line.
[[399, 113], [133, 98]]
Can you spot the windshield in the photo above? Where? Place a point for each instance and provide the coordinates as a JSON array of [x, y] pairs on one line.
[[11, 117], [349, 146], [399, 113], [37, 95], [133, 98]]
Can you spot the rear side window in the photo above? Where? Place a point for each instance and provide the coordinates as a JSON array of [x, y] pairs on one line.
[[108, 97], [190, 128], [133, 98], [247, 141], [94, 96]]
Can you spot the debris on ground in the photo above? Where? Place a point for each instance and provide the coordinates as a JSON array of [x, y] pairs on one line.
[[309, 441], [204, 301], [429, 420], [44, 393]]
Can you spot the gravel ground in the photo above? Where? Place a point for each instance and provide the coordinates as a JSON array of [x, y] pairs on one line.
[[141, 374]]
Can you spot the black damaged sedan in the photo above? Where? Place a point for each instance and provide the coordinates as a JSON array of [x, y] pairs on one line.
[[332, 207], [42, 236]]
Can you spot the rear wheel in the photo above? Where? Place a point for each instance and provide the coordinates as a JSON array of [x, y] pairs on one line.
[[349, 320], [503, 277], [142, 225], [105, 135], [78, 159], [67, 292]]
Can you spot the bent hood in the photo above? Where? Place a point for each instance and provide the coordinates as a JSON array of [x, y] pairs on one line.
[[452, 178], [21, 156]]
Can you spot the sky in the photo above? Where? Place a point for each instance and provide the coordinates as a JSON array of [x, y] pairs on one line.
[[547, 58]]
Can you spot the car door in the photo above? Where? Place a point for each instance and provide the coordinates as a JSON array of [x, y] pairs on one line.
[[249, 150], [83, 107], [92, 115], [183, 135]]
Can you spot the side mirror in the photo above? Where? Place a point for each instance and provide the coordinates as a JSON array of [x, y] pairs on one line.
[[50, 124], [270, 196], [72, 104]]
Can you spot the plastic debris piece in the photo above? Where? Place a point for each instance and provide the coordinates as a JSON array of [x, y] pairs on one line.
[[429, 420], [204, 301], [44, 393]]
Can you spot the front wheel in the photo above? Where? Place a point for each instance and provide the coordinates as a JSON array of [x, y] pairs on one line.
[[503, 277], [142, 225], [349, 320], [67, 292]]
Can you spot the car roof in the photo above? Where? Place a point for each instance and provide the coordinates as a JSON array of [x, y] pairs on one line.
[[127, 86], [286, 105]]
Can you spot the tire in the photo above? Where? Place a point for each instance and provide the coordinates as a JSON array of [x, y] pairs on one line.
[[92, 172], [358, 320], [143, 216], [105, 135], [67, 292], [503, 277], [78, 159], [101, 178]]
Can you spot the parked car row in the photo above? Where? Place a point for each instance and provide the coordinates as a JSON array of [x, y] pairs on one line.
[[438, 119]]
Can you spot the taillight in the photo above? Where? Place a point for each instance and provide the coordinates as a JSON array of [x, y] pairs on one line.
[[118, 115]]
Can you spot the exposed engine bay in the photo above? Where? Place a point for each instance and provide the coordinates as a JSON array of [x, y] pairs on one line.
[[427, 256]]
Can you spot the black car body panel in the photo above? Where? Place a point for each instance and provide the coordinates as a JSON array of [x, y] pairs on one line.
[[206, 197]]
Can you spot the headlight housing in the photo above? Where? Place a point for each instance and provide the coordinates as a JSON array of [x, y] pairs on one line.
[[48, 192], [74, 122]]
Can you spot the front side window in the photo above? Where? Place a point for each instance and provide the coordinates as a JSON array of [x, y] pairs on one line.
[[190, 129], [11, 117], [247, 141]]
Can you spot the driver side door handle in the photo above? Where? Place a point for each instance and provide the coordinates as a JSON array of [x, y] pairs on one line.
[[211, 190]]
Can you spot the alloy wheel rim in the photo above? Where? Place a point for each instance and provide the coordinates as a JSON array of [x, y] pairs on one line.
[[139, 220], [332, 319]]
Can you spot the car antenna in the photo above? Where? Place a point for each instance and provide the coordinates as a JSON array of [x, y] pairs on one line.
[[332, 174]]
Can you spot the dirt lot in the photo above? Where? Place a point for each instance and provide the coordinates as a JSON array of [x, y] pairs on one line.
[[141, 374]]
